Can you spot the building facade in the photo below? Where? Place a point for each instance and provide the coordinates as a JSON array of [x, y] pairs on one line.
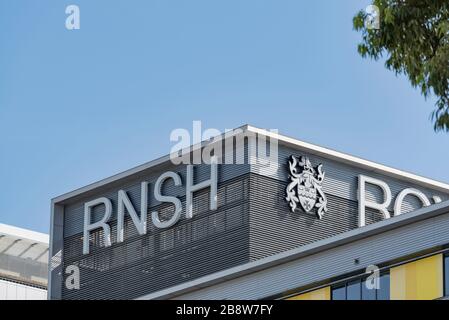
[[267, 217], [23, 264]]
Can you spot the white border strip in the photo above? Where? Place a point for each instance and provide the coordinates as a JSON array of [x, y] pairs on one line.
[[354, 161], [142, 167], [24, 234], [325, 152]]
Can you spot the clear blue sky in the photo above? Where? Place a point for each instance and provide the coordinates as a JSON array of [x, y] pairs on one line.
[[78, 106]]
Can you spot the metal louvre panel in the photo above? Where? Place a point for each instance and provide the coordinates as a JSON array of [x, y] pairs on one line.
[[26, 271], [253, 221], [341, 180], [211, 241], [133, 280], [74, 212], [404, 241], [274, 228]]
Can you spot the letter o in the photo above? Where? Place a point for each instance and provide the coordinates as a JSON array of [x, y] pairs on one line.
[[400, 198]]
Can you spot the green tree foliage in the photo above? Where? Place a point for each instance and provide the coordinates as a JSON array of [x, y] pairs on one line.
[[413, 35]]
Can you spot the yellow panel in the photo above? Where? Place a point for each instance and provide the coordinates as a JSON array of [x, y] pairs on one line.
[[418, 280], [320, 294]]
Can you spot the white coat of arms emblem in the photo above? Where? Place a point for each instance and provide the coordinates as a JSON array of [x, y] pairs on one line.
[[305, 186]]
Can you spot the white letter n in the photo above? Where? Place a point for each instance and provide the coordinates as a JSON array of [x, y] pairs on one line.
[[124, 202]]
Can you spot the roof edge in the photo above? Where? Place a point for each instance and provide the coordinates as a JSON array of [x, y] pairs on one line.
[[325, 152], [355, 161], [24, 234]]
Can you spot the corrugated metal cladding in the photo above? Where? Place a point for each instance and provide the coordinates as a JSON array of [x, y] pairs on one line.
[[211, 241], [74, 212], [252, 221], [341, 180], [273, 228], [403, 241]]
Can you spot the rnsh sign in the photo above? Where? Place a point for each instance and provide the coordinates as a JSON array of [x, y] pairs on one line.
[[140, 222]]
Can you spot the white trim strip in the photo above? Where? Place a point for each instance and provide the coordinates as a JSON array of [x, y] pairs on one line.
[[137, 169], [355, 161], [328, 153], [25, 234]]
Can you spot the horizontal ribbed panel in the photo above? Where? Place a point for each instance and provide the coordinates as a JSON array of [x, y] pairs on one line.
[[340, 180], [74, 212], [274, 228], [211, 241], [253, 221], [388, 246]]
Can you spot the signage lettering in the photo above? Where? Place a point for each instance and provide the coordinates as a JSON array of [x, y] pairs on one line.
[[304, 188], [305, 184], [140, 223], [387, 199]]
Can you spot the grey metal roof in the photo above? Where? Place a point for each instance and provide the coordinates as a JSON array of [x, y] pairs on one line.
[[23, 255]]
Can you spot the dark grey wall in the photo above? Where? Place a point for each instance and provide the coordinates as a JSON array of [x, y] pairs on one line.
[[274, 228], [341, 179], [406, 236], [211, 241], [252, 221], [74, 211]]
